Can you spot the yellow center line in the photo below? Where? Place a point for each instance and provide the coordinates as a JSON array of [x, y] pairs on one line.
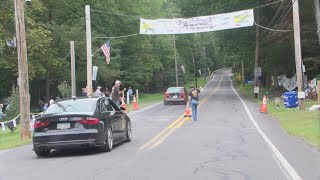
[[166, 135], [159, 138], [160, 134]]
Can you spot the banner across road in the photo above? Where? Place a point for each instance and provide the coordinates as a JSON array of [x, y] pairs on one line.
[[217, 22]]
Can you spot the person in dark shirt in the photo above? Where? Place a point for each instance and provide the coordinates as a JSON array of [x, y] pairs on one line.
[[116, 93], [194, 101]]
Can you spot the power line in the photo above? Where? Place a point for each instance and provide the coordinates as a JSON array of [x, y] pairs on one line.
[[75, 10], [270, 29], [282, 16], [118, 14], [114, 37], [135, 16], [268, 4], [276, 14], [287, 12]]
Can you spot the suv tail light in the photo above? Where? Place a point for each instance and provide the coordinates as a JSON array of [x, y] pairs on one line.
[[41, 124], [89, 120]]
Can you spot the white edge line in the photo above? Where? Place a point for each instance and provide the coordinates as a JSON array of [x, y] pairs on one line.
[[281, 161]]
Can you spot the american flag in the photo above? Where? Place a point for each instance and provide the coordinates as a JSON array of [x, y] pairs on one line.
[[106, 51]]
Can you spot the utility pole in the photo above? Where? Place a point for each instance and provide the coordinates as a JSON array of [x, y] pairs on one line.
[[89, 53], [175, 60], [297, 43], [24, 97], [317, 16], [256, 62], [73, 69], [204, 55], [194, 69], [243, 79]]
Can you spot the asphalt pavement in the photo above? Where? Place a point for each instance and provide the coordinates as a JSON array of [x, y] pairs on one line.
[[230, 140]]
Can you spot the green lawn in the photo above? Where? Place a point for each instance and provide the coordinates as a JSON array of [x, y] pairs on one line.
[[10, 140], [146, 100], [303, 124]]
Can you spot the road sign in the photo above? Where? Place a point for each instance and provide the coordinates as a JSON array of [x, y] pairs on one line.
[[257, 71]]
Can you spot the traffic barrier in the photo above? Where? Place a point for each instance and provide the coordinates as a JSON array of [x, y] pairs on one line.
[[124, 105], [187, 113], [135, 104], [263, 107]]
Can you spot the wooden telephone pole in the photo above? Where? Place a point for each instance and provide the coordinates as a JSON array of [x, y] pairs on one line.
[[73, 69], [24, 97], [256, 62], [297, 44], [175, 60], [89, 53]]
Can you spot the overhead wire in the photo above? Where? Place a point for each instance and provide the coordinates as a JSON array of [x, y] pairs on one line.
[[269, 4], [118, 14], [270, 29], [286, 11], [276, 14], [135, 16]]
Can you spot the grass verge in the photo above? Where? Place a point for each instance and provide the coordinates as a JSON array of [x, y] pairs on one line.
[[303, 124], [10, 139], [146, 100]]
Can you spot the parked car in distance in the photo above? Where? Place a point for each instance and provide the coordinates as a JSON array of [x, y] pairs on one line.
[[81, 122], [174, 95]]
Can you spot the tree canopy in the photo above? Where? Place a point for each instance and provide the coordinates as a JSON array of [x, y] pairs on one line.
[[147, 62]]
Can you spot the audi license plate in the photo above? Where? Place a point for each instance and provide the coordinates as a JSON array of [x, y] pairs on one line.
[[63, 126]]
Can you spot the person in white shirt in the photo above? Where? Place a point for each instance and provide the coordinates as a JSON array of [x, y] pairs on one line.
[[98, 92]]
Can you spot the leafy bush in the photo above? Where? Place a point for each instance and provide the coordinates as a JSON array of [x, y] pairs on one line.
[[13, 110], [64, 89]]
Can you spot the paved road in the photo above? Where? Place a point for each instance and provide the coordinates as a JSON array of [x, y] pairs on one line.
[[231, 140]]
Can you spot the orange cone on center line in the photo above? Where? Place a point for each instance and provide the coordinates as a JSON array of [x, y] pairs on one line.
[[123, 104], [263, 107], [135, 104], [187, 113]]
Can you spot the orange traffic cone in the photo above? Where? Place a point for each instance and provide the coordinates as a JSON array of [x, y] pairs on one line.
[[123, 104], [187, 113], [135, 104], [263, 107]]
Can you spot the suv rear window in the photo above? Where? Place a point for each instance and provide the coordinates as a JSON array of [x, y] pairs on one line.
[[79, 105], [175, 90]]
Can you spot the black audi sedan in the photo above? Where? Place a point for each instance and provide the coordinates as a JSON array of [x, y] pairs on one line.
[[81, 122]]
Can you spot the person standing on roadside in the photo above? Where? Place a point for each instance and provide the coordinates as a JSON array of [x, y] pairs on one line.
[[98, 92], [194, 101], [116, 93], [130, 91]]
